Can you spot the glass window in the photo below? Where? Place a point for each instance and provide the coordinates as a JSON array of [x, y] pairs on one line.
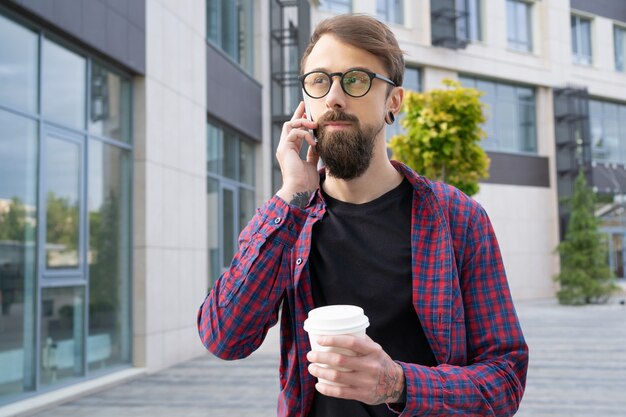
[[62, 193], [110, 104], [519, 33], [62, 331], [339, 6], [230, 194], [230, 26], [64, 85], [18, 66], [608, 134], [411, 82], [109, 203], [18, 223], [620, 48], [468, 24], [511, 124], [581, 40], [390, 10], [213, 223]]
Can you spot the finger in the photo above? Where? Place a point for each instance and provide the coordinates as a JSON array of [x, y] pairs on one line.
[[299, 112], [362, 346], [334, 359], [329, 374], [312, 157], [348, 393]]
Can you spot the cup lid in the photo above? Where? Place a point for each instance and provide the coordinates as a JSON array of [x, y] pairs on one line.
[[336, 318]]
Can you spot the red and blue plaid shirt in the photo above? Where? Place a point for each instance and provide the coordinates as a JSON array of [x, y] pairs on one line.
[[460, 294]]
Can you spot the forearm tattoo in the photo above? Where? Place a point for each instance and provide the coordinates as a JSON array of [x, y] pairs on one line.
[[301, 199], [390, 384]]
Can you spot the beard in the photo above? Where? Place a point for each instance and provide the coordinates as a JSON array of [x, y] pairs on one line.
[[346, 153]]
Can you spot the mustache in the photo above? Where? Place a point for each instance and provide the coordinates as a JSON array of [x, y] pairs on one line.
[[337, 116]]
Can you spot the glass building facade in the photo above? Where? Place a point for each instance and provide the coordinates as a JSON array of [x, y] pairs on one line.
[[65, 212]]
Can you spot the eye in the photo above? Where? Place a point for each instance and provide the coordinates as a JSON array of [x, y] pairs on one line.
[[318, 79], [356, 78]]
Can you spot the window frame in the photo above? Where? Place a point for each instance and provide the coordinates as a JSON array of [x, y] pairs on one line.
[[576, 27], [516, 44], [336, 6], [518, 110], [386, 15], [619, 27]]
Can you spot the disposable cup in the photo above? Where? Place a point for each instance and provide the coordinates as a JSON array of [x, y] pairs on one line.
[[335, 320]]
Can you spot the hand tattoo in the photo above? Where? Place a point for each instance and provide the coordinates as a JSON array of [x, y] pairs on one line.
[[301, 199], [390, 383]]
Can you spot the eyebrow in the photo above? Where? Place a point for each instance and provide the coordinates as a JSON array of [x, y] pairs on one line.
[[349, 69]]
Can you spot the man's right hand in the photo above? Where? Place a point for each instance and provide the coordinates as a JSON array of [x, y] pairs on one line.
[[300, 177]]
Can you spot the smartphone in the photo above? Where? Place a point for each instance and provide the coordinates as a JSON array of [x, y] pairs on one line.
[[308, 113]]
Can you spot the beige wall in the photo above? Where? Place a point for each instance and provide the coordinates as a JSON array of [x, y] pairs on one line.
[[170, 228]]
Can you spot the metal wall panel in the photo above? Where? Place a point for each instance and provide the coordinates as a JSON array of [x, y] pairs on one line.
[[233, 96], [512, 169], [611, 9], [115, 28]]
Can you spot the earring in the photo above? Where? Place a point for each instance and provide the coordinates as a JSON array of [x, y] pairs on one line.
[[390, 118]]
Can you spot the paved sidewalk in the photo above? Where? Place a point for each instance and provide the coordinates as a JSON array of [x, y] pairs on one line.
[[577, 368]]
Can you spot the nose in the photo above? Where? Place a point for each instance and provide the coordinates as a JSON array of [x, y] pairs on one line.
[[336, 98]]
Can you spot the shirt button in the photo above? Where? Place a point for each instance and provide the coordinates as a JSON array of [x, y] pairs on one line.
[[277, 220], [298, 261]]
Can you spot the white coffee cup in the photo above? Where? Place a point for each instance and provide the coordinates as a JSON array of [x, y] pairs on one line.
[[335, 320]]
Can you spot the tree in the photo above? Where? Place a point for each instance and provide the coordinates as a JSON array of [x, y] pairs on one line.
[[585, 276], [443, 131]]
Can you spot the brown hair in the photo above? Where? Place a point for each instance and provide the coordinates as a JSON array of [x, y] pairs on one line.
[[364, 32]]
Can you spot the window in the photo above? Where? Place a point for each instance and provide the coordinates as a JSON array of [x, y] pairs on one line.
[[412, 82], [468, 24], [230, 193], [608, 133], [390, 10], [581, 40], [65, 209], [339, 6], [230, 26], [511, 115], [519, 28], [620, 48]]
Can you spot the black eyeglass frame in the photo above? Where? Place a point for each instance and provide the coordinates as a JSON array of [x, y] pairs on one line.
[[332, 76]]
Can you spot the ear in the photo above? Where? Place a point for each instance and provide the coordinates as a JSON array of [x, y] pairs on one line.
[[394, 101]]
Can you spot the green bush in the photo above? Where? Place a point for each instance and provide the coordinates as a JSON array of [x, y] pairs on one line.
[[443, 135], [585, 276]]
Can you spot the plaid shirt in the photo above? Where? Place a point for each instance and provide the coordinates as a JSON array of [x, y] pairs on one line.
[[460, 294]]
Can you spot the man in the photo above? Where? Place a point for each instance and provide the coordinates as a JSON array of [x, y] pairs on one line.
[[420, 257]]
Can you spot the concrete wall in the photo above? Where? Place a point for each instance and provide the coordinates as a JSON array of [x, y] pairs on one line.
[[170, 275]]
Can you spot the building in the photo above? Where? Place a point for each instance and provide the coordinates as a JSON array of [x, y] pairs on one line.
[[137, 138]]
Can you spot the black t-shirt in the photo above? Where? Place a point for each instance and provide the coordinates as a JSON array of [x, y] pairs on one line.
[[361, 255]]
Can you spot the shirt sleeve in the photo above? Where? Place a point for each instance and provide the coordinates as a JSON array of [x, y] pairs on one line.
[[243, 305], [492, 381]]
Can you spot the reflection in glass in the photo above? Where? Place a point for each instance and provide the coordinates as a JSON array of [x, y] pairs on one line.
[[62, 327], [215, 149], [62, 173], [18, 66], [64, 85], [18, 222], [247, 207], [110, 104], [213, 217], [246, 162], [230, 155], [109, 256], [228, 210]]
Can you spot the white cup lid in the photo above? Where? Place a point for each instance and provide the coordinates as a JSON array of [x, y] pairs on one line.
[[336, 318]]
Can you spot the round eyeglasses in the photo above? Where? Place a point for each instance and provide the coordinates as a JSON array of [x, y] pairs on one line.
[[354, 82]]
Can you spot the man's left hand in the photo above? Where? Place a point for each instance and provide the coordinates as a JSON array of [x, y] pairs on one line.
[[373, 377]]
